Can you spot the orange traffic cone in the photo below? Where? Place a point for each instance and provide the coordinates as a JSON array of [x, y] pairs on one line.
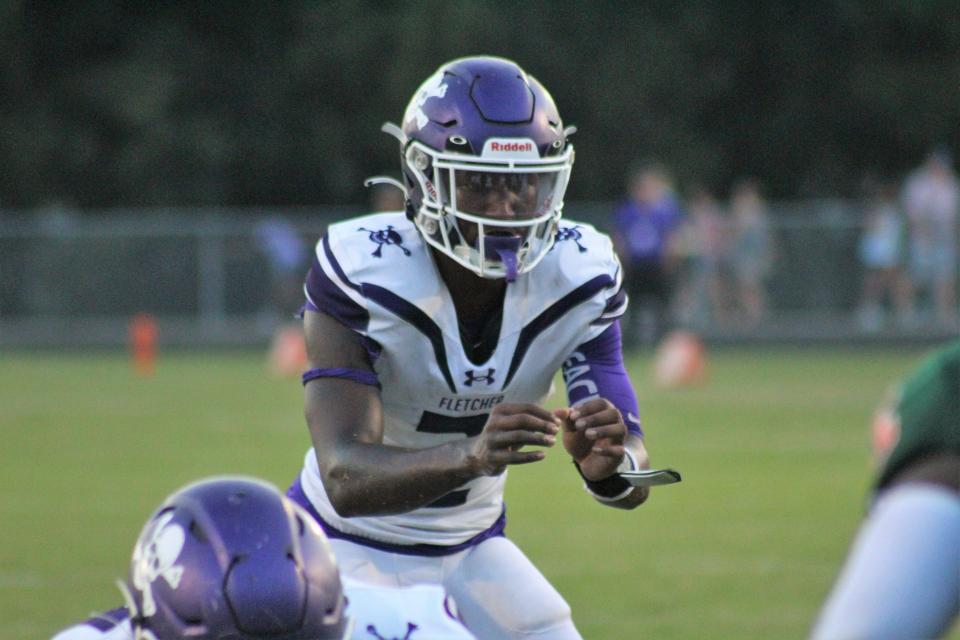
[[288, 352], [143, 344], [680, 361]]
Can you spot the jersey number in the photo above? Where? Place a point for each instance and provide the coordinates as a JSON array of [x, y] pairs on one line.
[[468, 425]]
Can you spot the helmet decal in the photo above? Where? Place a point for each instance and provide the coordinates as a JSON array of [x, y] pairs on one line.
[[155, 557], [435, 87]]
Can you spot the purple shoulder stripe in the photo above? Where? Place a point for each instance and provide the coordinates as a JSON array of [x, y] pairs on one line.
[[616, 302], [553, 313], [326, 296]]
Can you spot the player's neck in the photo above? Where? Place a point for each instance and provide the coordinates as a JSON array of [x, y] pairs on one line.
[[472, 295]]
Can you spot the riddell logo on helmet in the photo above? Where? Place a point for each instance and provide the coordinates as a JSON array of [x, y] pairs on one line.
[[511, 148]]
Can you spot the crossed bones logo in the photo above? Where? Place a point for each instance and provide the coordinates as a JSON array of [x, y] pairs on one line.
[[155, 557], [388, 236], [570, 233]]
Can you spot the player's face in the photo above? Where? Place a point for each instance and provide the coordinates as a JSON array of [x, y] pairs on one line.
[[501, 196], [498, 195]]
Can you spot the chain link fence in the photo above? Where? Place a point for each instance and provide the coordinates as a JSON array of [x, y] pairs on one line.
[[222, 277]]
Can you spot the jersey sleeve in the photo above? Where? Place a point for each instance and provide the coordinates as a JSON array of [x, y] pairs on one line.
[[596, 370], [616, 297], [329, 288], [110, 625], [585, 261]]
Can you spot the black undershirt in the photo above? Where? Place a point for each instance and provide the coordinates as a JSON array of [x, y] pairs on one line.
[[480, 336]]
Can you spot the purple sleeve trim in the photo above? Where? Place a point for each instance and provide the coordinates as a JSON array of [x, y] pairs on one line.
[[108, 620], [323, 294], [596, 370], [363, 377]]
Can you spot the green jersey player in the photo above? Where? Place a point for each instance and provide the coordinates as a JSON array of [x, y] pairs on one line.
[[902, 576]]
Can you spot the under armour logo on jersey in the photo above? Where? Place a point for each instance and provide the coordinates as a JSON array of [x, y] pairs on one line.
[[155, 558], [473, 377], [569, 233], [372, 630], [388, 236]]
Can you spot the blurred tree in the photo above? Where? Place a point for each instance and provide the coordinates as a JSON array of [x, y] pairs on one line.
[[109, 103]]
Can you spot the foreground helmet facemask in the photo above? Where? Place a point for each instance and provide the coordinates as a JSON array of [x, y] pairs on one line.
[[486, 164]]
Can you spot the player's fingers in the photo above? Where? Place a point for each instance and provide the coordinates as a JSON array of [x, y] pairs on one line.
[[613, 451], [563, 415], [514, 408], [590, 407], [523, 421], [605, 417], [524, 457], [616, 432], [519, 438]]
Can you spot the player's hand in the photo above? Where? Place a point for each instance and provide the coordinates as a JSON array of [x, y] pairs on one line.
[[510, 427], [593, 434]]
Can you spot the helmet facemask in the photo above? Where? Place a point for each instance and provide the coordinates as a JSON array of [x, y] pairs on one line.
[[496, 216]]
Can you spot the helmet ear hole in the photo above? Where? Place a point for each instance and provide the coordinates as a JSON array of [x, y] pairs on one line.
[[458, 144]]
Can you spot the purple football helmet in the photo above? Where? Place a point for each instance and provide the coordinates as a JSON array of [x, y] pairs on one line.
[[485, 162], [232, 558]]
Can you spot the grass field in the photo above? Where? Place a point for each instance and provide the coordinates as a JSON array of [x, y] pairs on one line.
[[773, 448]]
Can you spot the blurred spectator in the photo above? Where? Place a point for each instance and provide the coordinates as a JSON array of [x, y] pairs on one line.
[[931, 196], [752, 249], [881, 254], [703, 291], [287, 254], [643, 227]]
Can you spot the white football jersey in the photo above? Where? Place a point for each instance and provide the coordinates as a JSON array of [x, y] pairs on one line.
[[376, 275], [420, 612]]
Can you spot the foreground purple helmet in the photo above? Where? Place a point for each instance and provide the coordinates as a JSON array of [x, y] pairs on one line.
[[231, 558], [485, 162]]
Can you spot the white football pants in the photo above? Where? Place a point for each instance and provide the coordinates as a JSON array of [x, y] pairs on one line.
[[498, 591]]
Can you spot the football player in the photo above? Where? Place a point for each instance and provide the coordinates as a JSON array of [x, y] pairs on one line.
[[233, 558], [433, 335], [902, 576]]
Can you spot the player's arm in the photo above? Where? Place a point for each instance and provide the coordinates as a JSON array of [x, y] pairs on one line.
[[362, 475], [601, 429]]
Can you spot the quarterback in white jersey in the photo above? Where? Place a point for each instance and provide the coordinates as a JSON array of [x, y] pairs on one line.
[[231, 557], [433, 336]]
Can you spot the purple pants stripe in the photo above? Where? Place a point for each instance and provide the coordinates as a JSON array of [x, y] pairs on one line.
[[295, 493]]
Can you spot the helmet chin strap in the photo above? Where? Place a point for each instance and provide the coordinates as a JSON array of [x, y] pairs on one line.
[[506, 248]]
